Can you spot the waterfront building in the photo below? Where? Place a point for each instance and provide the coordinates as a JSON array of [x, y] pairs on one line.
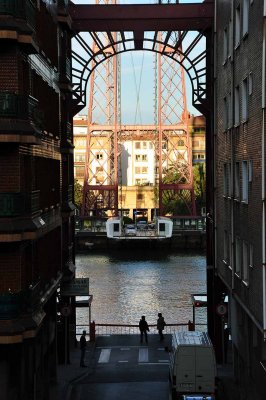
[[240, 183], [138, 174], [36, 209]]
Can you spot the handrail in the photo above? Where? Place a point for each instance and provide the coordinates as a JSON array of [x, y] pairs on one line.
[[128, 329], [182, 223]]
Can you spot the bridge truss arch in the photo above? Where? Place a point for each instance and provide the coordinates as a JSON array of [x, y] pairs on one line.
[[194, 63]]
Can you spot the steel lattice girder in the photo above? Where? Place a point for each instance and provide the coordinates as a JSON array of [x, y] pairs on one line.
[[141, 18]]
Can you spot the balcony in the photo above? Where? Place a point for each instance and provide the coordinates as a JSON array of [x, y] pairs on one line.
[[65, 69], [25, 10], [27, 118], [19, 204]]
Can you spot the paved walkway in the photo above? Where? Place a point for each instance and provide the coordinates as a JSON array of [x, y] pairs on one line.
[[119, 366]]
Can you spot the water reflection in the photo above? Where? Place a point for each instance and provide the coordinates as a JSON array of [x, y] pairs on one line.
[[127, 285]]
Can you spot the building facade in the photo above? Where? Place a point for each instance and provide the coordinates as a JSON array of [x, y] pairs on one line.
[[36, 189], [240, 183], [138, 168]]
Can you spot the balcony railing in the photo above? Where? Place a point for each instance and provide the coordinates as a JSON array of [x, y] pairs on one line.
[[21, 107], [17, 204], [20, 9], [12, 304]]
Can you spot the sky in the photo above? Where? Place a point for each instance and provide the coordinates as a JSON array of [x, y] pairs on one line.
[[138, 79]]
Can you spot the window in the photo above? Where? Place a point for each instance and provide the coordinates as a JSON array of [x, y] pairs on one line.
[[230, 39], [79, 157], [116, 227], [195, 143], [225, 44], [229, 112], [245, 16], [79, 172], [140, 196], [251, 250], [237, 180], [250, 170], [250, 83], [238, 256], [237, 26], [237, 108], [137, 145], [180, 143], [245, 261], [230, 249], [99, 156], [226, 180], [225, 114], [137, 170], [144, 157], [144, 170], [245, 181], [226, 247], [144, 145], [245, 99]]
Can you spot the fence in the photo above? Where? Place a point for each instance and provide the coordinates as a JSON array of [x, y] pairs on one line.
[[123, 329]]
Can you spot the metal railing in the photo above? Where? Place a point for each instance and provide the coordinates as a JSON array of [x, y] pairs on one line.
[[179, 224], [126, 329], [13, 105], [189, 224], [16, 204]]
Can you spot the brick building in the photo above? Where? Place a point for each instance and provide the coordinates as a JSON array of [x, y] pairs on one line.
[[240, 183], [36, 163]]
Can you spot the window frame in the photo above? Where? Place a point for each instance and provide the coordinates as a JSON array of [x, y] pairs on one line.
[[245, 182]]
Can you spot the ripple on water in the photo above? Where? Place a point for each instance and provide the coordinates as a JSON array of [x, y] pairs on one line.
[[124, 287]]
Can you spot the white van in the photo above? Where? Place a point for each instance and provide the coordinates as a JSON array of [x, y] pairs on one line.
[[192, 366]]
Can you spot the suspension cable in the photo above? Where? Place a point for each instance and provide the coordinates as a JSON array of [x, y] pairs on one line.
[[137, 87]]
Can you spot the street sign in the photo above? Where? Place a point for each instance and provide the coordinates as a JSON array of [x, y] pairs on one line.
[[77, 287], [221, 309]]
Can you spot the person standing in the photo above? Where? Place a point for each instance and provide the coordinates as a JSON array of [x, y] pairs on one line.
[[160, 325], [144, 328], [83, 345]]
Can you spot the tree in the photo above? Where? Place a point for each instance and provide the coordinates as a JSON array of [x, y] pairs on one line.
[[78, 194], [199, 174]]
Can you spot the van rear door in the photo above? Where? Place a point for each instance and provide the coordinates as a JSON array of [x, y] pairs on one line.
[[185, 369], [205, 370]]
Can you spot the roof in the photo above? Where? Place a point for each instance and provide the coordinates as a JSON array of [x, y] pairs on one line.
[[192, 338]]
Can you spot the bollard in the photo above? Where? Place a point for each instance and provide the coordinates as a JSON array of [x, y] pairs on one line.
[[92, 331], [191, 326]]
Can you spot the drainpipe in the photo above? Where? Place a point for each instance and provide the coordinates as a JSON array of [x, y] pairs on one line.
[[263, 175], [232, 146]]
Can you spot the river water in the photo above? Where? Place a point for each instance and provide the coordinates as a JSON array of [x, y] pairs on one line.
[[126, 285]]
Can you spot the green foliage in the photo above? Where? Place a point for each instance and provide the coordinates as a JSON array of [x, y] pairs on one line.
[[175, 204], [199, 174], [78, 194]]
